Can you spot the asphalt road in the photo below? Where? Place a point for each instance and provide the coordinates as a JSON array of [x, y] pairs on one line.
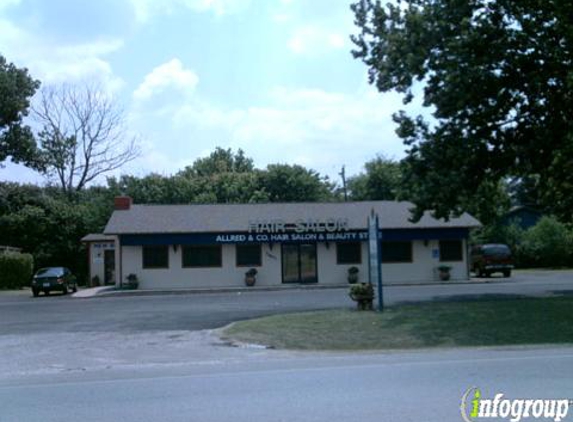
[[138, 359], [21, 314], [420, 386]]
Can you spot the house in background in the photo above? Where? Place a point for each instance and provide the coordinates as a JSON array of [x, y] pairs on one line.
[[101, 258], [524, 216], [203, 246]]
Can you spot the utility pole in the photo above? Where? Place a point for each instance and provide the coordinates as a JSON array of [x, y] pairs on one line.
[[343, 175]]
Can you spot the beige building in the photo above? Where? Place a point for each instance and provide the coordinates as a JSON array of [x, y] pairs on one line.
[[101, 259], [203, 246]]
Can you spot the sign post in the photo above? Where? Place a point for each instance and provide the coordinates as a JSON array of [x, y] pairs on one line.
[[375, 254]]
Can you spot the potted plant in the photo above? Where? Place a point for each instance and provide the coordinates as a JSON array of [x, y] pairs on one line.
[[363, 295], [444, 272], [353, 275], [251, 277], [132, 281], [95, 281]]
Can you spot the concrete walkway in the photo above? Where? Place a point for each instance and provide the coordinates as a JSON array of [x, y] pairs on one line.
[[111, 290], [92, 291]]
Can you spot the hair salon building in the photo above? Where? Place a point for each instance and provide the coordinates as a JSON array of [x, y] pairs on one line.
[[189, 246]]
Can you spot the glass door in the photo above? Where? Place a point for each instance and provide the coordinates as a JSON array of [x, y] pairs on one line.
[[299, 263], [307, 263], [290, 264], [109, 266]]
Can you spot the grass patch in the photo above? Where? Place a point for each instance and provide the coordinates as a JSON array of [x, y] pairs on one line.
[[473, 323]]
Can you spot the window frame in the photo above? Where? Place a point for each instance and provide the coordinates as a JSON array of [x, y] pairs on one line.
[[260, 261], [461, 251], [338, 260], [148, 247], [383, 246], [184, 247]]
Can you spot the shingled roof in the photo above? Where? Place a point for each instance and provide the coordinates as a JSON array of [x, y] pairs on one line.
[[151, 219]]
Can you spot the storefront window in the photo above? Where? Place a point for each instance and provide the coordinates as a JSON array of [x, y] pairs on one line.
[[248, 255], [348, 253], [202, 256], [396, 252], [155, 257], [451, 250]]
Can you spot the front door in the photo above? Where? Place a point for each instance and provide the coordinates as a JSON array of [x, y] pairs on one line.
[[299, 263], [109, 266]]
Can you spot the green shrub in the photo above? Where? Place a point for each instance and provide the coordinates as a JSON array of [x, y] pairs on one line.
[[547, 244], [16, 270], [363, 295], [511, 235]]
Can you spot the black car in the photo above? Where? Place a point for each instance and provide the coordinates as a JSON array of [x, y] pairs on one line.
[[491, 258], [49, 279]]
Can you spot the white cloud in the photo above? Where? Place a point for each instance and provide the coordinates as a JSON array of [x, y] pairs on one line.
[[166, 76], [313, 39], [54, 63], [316, 128], [4, 4], [145, 9]]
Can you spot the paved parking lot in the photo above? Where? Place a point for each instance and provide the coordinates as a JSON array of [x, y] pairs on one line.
[[22, 314], [61, 337]]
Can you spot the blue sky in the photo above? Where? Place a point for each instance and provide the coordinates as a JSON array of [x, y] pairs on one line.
[[273, 77]]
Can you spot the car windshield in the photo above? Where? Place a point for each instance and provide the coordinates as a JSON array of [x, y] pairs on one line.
[[50, 272], [496, 250]]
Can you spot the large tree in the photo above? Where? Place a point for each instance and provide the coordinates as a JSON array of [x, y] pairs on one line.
[[498, 75], [295, 183], [83, 135], [16, 139], [382, 180], [219, 161]]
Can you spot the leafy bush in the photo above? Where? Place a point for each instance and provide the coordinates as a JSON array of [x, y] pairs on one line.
[[365, 290], [511, 235], [16, 270], [363, 295], [547, 244], [132, 282]]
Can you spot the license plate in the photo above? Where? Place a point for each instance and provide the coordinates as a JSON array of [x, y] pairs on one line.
[[46, 284]]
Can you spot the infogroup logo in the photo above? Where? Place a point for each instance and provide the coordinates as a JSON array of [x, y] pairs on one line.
[[474, 407]]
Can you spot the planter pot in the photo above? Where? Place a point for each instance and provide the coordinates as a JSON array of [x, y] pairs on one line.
[[352, 278], [444, 275], [130, 285], [250, 281], [363, 302]]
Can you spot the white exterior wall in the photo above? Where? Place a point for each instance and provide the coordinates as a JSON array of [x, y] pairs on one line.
[[421, 270], [96, 257], [329, 272], [425, 260], [177, 277]]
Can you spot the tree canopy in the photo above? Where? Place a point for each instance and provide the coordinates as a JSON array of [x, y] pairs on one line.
[[220, 161], [498, 75], [16, 139], [382, 180]]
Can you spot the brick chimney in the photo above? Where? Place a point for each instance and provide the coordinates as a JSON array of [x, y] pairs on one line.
[[121, 203]]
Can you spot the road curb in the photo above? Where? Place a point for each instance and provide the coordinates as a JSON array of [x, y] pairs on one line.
[[109, 291]]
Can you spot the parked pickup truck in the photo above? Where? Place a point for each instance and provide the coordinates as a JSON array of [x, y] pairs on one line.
[[491, 258]]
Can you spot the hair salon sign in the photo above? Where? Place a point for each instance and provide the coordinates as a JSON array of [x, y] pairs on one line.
[[311, 225]]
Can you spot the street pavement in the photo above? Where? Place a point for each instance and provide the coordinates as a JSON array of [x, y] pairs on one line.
[[400, 386], [159, 358], [22, 314]]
